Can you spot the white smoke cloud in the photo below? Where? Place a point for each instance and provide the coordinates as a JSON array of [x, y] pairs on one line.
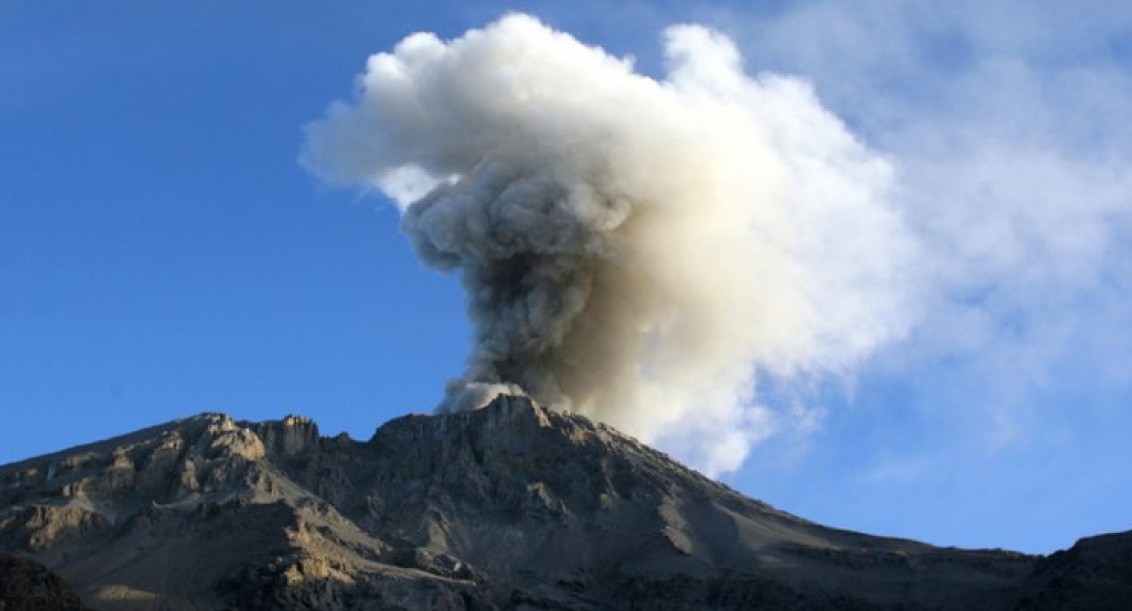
[[1013, 132], [638, 250]]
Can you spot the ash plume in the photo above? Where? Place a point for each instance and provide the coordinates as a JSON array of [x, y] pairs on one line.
[[635, 249]]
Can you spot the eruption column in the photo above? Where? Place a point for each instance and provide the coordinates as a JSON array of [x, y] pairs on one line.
[[634, 249]]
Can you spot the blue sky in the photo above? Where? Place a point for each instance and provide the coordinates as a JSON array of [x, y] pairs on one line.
[[163, 253]]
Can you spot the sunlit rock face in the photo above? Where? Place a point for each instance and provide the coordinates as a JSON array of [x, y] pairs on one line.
[[513, 506]]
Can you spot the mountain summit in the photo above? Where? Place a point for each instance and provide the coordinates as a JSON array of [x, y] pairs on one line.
[[509, 507]]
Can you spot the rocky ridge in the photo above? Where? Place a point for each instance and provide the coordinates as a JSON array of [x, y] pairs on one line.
[[509, 507]]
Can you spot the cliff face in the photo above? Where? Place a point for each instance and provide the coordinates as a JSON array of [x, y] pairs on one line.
[[509, 507]]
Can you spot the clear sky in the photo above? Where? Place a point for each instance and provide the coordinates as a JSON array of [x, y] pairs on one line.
[[162, 252]]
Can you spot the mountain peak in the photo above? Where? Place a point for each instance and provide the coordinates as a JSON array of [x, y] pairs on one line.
[[514, 506], [506, 415]]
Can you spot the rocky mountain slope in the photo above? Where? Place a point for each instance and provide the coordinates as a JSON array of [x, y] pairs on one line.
[[510, 507], [26, 585]]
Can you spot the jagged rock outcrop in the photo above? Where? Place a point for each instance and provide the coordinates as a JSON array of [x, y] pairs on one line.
[[509, 507]]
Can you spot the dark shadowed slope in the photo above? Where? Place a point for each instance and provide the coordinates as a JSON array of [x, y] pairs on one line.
[[510, 507], [26, 585]]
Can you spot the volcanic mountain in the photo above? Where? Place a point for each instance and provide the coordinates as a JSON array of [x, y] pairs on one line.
[[513, 506]]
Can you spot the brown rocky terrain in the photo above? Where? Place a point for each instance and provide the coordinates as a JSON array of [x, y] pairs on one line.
[[510, 507]]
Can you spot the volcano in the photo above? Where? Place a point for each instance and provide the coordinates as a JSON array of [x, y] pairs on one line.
[[511, 507]]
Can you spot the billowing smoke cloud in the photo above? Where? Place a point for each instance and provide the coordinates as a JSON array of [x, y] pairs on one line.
[[634, 249]]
